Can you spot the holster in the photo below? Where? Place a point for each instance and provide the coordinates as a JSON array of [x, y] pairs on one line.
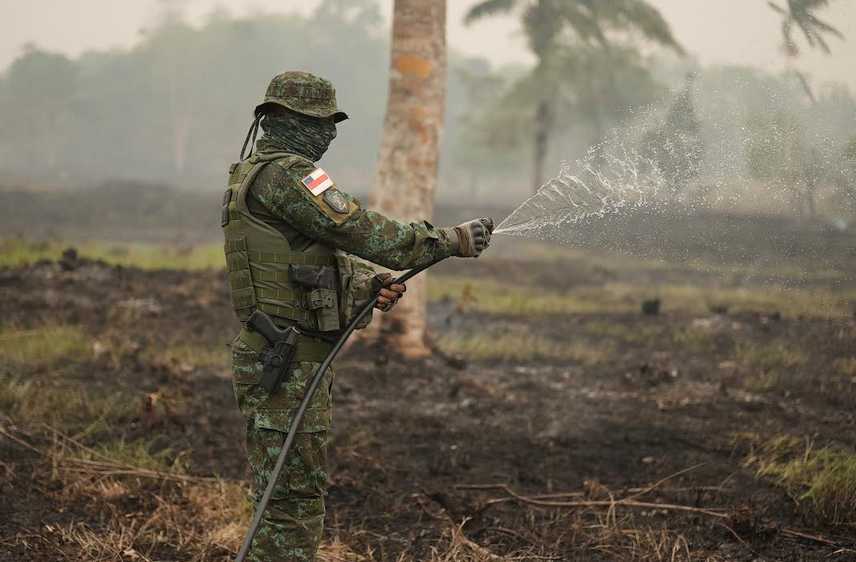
[[280, 352]]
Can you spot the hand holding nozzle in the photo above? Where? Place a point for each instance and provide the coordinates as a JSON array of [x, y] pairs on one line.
[[473, 237]]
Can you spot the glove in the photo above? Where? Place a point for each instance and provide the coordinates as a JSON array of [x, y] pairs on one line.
[[472, 236], [388, 292]]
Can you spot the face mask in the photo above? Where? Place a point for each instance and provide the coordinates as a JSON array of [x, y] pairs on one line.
[[300, 134]]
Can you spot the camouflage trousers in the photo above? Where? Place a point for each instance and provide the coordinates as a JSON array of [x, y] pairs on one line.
[[293, 523]]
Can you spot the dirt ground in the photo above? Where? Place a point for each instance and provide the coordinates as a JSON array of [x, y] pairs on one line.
[[625, 438]]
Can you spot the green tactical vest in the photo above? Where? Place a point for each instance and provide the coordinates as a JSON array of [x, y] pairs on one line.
[[258, 257]]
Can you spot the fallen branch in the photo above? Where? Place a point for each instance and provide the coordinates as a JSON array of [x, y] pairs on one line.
[[545, 500], [560, 495], [662, 481], [612, 503], [815, 538], [116, 469]]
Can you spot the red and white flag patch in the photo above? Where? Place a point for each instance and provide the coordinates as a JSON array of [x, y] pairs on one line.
[[317, 182]]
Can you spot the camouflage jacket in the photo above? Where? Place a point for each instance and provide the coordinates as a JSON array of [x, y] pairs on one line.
[[279, 196]]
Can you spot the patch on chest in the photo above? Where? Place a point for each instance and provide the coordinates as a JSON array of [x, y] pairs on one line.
[[336, 200], [317, 182]]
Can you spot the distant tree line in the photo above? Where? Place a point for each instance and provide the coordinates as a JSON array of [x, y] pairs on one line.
[[174, 108]]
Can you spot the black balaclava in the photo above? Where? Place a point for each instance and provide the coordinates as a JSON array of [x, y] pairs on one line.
[[286, 131]]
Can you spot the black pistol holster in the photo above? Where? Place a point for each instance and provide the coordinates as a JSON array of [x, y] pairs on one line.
[[279, 354]]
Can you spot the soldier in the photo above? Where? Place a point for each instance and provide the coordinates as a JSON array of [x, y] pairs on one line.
[[289, 235]]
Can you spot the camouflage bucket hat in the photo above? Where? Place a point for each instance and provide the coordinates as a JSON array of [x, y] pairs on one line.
[[304, 93]]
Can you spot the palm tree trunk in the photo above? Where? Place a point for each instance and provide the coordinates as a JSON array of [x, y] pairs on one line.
[[409, 152], [542, 142]]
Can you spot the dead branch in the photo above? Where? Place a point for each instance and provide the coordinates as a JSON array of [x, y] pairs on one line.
[[662, 481], [807, 536], [611, 503]]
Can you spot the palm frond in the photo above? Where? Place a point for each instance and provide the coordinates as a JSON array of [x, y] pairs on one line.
[[807, 32], [815, 30], [824, 46], [487, 8], [778, 8], [823, 26], [809, 5], [652, 24], [630, 15]]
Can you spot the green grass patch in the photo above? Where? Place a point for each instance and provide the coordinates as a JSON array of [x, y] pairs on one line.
[[32, 397], [770, 364], [494, 297], [138, 453], [626, 333], [17, 252], [521, 345], [767, 357], [73, 408], [499, 298], [189, 356], [695, 340], [846, 366], [822, 481], [806, 269], [43, 347], [816, 303]]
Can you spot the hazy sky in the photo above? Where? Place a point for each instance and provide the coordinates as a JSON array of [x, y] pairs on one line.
[[715, 31]]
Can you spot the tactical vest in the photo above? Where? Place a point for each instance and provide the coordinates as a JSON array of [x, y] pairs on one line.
[[258, 259]]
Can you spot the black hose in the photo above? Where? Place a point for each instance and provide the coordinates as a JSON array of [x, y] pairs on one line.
[[298, 417]]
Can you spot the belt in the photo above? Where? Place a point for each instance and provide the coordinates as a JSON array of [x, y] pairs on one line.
[[309, 349]]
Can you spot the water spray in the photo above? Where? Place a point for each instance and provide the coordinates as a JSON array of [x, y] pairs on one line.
[[602, 183]]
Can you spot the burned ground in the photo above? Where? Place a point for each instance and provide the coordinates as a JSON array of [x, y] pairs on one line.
[[559, 422]]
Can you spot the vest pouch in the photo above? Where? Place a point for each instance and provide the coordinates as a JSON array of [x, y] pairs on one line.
[[224, 209], [324, 305], [240, 279], [355, 278]]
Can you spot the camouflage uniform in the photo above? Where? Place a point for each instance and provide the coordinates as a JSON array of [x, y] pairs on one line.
[[269, 187]]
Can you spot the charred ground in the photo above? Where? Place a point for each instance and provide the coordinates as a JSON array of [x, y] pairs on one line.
[[120, 439]]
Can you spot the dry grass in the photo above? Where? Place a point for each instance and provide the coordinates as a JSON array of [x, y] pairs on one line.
[[821, 480], [624, 539], [147, 507], [196, 522]]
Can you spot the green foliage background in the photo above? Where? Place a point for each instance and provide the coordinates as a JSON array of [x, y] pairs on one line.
[[173, 109]]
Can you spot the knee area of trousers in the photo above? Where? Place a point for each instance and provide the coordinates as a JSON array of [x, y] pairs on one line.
[[291, 509]]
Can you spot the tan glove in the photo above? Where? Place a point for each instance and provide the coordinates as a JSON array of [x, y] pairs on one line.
[[473, 237]]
